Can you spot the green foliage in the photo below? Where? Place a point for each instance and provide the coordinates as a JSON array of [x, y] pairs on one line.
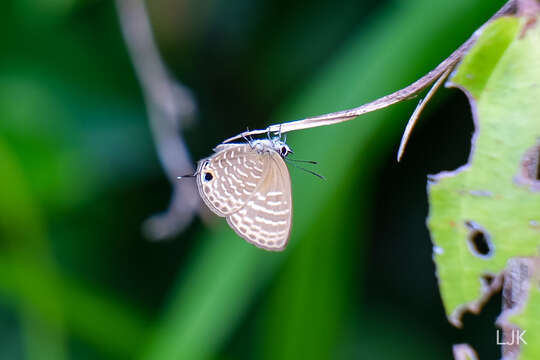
[[79, 174], [493, 197], [202, 309]]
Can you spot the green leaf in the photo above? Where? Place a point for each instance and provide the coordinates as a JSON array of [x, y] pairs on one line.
[[488, 211]]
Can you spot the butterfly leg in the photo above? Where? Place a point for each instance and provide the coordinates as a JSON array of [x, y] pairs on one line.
[[248, 140]]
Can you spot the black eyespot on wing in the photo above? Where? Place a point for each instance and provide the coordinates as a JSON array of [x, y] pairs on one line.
[[208, 176]]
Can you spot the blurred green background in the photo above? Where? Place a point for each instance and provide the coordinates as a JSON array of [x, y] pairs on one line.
[[79, 174]]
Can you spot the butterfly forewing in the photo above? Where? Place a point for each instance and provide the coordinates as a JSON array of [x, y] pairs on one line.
[[229, 178], [265, 220]]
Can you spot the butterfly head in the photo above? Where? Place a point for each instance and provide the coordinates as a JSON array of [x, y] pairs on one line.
[[274, 144], [281, 147], [284, 149]]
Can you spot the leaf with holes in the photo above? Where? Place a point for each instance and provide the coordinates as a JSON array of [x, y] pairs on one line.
[[488, 211]]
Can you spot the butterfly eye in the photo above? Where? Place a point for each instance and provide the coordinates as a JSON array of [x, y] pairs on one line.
[[208, 176], [283, 151]]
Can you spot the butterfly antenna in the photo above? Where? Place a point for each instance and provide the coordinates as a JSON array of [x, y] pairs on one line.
[[186, 176], [308, 171], [303, 161]]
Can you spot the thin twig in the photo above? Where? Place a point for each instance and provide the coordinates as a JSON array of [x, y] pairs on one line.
[[419, 108], [170, 105], [385, 101]]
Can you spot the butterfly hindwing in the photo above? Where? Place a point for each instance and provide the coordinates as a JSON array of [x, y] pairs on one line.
[[265, 219]]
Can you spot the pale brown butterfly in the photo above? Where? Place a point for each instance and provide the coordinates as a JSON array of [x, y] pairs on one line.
[[249, 184]]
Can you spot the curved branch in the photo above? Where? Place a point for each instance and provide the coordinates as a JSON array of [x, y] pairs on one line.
[[404, 94], [170, 105]]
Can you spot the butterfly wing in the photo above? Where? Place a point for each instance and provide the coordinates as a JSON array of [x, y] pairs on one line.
[[228, 179], [265, 219]]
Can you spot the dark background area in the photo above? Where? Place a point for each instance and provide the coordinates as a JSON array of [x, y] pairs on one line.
[[80, 174]]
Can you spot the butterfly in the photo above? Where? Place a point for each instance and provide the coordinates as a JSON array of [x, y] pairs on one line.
[[249, 185]]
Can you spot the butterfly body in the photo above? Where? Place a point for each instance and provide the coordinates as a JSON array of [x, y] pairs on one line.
[[249, 184]]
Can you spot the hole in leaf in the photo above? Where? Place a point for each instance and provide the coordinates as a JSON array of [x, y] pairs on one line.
[[479, 241]]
